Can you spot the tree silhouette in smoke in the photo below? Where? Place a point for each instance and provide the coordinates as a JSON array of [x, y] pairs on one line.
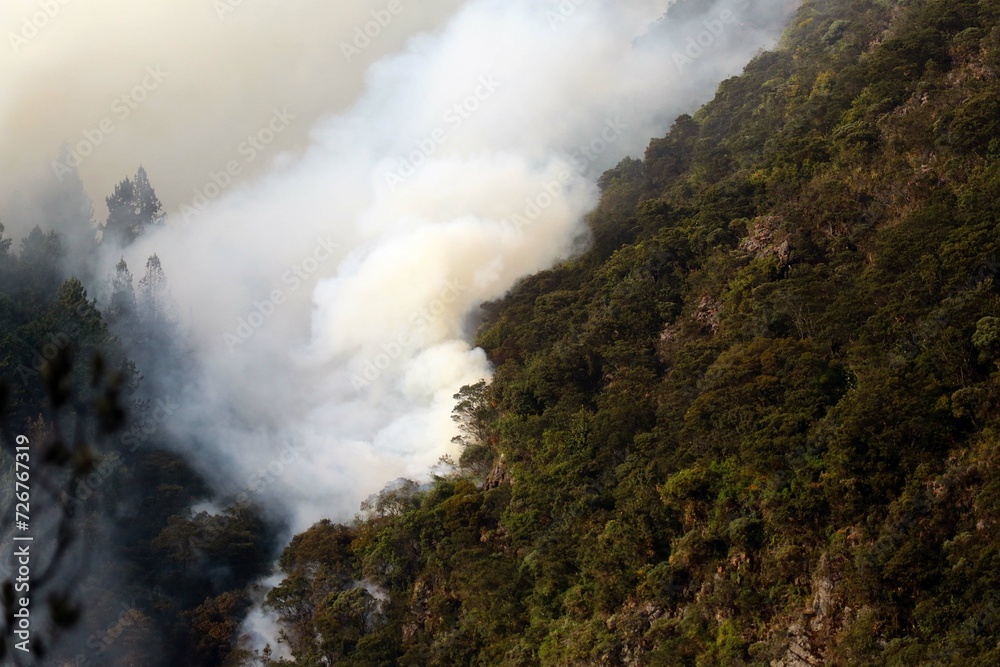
[[132, 209], [122, 305], [154, 293]]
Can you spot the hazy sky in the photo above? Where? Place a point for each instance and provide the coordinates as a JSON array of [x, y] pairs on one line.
[[70, 70]]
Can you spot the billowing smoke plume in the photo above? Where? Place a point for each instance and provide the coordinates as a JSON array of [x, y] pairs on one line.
[[328, 297]]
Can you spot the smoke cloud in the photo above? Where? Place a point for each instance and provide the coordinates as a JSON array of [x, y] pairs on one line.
[[340, 206]]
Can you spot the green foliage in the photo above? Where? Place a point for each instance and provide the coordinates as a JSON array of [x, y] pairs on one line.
[[132, 209], [168, 585], [987, 339], [759, 414]]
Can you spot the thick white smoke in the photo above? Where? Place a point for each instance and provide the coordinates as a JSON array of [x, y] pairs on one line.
[[329, 297]]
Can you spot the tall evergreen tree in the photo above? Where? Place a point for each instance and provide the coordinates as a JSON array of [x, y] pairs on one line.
[[122, 305], [63, 204], [39, 261], [149, 206], [4, 244], [154, 293], [132, 209], [59, 203], [121, 225]]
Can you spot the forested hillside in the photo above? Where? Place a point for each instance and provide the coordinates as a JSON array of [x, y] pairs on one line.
[[756, 423], [125, 569]]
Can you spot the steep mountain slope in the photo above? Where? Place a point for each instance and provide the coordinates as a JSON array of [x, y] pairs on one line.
[[756, 423]]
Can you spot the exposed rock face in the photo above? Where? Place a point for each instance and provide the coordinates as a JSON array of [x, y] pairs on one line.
[[632, 623], [707, 314], [498, 476], [800, 651], [764, 240], [805, 637]]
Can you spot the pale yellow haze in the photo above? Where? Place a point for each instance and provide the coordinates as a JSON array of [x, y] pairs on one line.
[[180, 85]]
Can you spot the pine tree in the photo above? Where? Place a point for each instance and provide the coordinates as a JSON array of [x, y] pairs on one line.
[[132, 209], [80, 314], [63, 205], [149, 207], [122, 305], [121, 214], [4, 244], [154, 294], [40, 259]]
